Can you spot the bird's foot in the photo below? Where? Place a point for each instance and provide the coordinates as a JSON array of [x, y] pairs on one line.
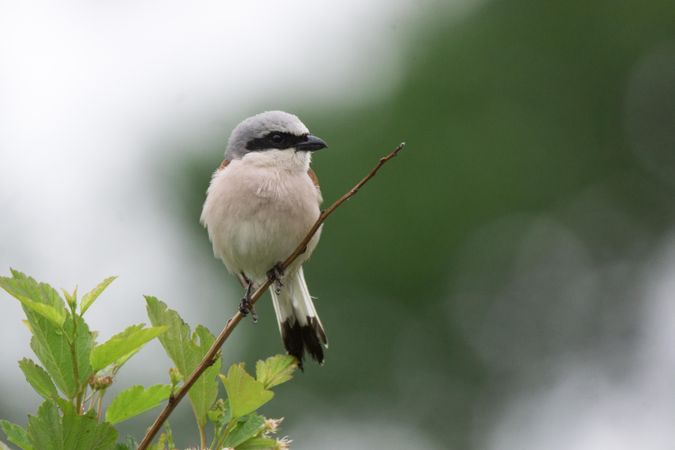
[[274, 275], [246, 307]]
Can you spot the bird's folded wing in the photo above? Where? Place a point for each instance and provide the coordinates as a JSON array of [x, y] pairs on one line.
[[314, 178]]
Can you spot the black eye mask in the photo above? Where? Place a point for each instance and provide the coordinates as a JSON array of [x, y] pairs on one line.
[[275, 140]]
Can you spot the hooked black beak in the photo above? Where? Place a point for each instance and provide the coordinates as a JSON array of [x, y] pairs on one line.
[[311, 143]]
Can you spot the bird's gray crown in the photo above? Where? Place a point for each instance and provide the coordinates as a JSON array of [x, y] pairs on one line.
[[264, 131]]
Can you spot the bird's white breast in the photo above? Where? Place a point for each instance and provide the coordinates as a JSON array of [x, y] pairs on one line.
[[259, 208]]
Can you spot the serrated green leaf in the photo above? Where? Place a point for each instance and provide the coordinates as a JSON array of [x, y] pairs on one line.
[[36, 298], [259, 444], [16, 435], [22, 284], [51, 345], [186, 350], [50, 340], [91, 296], [246, 428], [51, 431], [275, 370], [52, 349], [244, 393], [118, 347], [83, 341], [50, 313], [38, 378], [45, 430], [136, 400]]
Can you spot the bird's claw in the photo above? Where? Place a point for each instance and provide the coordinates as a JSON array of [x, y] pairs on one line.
[[274, 275], [246, 307]]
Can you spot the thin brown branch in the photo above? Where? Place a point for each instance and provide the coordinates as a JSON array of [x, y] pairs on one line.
[[212, 353]]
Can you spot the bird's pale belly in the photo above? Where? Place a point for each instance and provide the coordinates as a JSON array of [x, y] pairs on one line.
[[252, 236]]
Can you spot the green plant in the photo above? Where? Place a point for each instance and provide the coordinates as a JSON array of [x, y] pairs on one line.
[[76, 371]]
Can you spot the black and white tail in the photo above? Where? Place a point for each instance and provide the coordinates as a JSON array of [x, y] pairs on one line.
[[299, 324]]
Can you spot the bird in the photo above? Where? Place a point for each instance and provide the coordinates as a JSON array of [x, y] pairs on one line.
[[261, 202]]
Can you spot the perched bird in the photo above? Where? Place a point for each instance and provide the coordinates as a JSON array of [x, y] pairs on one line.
[[261, 202]]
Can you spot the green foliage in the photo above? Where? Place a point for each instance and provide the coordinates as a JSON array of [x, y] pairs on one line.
[[75, 373], [164, 442], [122, 346], [60, 340], [129, 444], [16, 435], [54, 429], [237, 424], [262, 443], [92, 295], [136, 400], [38, 378], [36, 298], [54, 315], [244, 393], [186, 350], [275, 370], [245, 429]]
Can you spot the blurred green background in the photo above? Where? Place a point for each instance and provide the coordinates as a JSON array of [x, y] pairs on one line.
[[526, 117], [516, 243]]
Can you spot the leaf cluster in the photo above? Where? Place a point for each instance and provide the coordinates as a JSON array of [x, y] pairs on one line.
[[73, 372]]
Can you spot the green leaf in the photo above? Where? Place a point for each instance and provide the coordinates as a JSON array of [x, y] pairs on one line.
[[219, 414], [51, 431], [128, 444], [92, 295], [275, 370], [36, 298], [71, 299], [50, 313], [246, 428], [244, 393], [136, 400], [186, 350], [259, 444], [83, 341], [118, 348], [16, 435], [22, 284], [53, 348], [50, 340], [38, 378]]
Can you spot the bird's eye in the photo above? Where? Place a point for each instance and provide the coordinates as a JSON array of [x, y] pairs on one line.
[[277, 138]]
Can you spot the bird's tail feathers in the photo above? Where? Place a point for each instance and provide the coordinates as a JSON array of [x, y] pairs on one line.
[[299, 324]]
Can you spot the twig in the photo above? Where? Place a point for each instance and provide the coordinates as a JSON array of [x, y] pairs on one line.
[[212, 353]]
